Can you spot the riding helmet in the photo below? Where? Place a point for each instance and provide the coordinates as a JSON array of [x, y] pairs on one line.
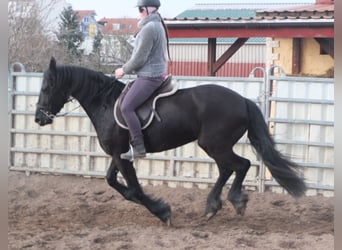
[[152, 3]]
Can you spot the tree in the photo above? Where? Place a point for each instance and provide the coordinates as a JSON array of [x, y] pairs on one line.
[[39, 29], [70, 37], [116, 49], [97, 43], [30, 41], [94, 58]]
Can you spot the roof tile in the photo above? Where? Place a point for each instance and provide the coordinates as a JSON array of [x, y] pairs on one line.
[[260, 12]]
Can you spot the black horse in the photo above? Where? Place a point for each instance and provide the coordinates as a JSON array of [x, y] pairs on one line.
[[215, 116]]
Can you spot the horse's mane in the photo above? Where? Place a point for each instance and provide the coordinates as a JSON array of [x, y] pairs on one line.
[[93, 86]]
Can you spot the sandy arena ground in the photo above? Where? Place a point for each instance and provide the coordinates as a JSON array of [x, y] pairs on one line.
[[70, 212]]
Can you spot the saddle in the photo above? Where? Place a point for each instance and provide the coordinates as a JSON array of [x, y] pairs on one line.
[[147, 111]]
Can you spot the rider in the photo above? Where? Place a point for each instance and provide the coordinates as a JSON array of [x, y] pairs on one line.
[[148, 62]]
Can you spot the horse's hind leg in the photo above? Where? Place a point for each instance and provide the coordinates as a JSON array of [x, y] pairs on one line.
[[228, 162], [133, 191], [236, 196], [224, 162], [214, 202]]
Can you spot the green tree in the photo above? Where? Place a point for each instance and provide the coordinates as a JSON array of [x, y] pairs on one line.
[[93, 60], [70, 37], [97, 43]]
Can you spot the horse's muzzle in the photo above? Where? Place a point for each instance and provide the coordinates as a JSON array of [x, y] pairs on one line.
[[43, 117]]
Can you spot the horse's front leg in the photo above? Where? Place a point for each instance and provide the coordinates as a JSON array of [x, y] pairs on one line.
[[112, 179], [133, 191]]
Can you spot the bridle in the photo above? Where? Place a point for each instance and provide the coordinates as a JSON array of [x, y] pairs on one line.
[[50, 115]]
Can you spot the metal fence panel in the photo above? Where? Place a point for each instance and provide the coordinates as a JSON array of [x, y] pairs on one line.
[[300, 112], [301, 115]]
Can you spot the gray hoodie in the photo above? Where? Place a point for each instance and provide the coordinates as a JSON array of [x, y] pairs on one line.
[[148, 57]]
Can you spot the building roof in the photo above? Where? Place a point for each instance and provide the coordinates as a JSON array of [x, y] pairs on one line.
[[84, 13], [311, 20], [257, 11], [232, 10], [314, 11], [119, 26], [209, 13]]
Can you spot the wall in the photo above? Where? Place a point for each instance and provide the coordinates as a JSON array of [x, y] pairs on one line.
[[312, 63], [191, 59]]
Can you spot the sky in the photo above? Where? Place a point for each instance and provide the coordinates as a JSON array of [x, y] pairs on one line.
[[126, 8], [168, 9]]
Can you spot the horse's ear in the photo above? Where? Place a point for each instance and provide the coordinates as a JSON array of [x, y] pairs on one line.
[[52, 66]]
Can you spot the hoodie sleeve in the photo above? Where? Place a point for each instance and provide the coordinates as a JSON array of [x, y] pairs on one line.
[[142, 50]]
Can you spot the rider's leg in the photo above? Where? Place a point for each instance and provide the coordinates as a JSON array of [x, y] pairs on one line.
[[140, 91]]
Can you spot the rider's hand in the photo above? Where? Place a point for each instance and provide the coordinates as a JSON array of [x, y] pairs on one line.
[[119, 72]]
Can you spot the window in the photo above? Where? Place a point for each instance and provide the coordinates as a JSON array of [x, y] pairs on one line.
[[116, 26]]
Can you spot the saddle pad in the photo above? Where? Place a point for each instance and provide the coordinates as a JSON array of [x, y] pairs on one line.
[[147, 111]]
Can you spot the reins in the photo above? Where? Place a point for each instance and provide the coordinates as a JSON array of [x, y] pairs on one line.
[[67, 113], [51, 116]]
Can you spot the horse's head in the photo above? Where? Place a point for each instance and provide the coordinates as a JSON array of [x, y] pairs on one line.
[[52, 97]]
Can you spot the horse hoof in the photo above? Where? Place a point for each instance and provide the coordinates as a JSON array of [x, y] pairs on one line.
[[241, 211], [168, 222], [210, 215], [240, 203]]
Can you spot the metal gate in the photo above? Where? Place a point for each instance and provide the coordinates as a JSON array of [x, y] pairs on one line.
[[299, 111]]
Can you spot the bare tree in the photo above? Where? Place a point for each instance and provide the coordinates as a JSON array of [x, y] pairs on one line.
[[116, 49], [30, 41], [34, 34]]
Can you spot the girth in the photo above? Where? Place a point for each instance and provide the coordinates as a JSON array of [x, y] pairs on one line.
[[147, 111]]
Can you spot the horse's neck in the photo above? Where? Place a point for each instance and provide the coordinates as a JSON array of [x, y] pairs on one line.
[[91, 92]]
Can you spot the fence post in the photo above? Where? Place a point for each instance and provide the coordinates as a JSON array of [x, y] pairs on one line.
[[262, 101]]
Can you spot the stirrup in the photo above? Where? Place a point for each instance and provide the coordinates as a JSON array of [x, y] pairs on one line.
[[130, 155]]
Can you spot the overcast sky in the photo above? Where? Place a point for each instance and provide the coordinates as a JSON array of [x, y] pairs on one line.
[[168, 9], [126, 8]]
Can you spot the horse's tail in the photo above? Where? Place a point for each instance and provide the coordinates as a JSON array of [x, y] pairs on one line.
[[282, 169]]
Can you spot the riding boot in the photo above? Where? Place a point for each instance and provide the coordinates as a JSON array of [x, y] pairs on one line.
[[137, 149]]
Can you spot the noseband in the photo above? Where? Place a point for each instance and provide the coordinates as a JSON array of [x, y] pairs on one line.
[[45, 112], [50, 115]]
